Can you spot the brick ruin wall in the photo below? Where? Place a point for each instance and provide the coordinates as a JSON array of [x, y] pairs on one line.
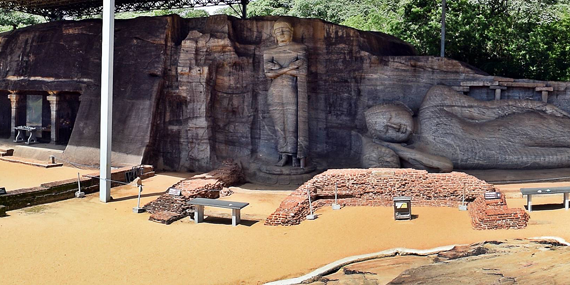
[[64, 189], [495, 214], [168, 208], [378, 187]]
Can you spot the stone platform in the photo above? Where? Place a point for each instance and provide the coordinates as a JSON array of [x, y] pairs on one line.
[[274, 175]]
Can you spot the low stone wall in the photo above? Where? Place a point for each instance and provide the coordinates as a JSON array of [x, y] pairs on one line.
[[378, 187], [61, 190], [495, 214], [169, 208]]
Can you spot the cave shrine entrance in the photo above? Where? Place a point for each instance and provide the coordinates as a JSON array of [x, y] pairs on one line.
[[58, 9], [51, 113]]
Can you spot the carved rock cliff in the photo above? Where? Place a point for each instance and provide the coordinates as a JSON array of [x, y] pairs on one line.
[[190, 93]]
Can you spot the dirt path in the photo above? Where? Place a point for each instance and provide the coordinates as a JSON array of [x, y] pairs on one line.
[[15, 176]]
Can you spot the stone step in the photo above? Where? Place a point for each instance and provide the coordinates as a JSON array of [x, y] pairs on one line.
[[31, 162], [148, 174], [165, 217], [6, 152]]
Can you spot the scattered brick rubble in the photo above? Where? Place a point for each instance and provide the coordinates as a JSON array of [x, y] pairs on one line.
[[495, 214], [378, 187], [169, 208]]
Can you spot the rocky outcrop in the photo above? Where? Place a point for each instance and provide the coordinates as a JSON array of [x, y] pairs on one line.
[[66, 57], [493, 262], [190, 93], [510, 262]]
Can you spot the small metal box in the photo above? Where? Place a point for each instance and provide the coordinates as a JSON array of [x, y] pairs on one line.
[[403, 208]]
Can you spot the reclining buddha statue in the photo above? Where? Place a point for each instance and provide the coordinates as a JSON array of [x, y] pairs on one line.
[[452, 130]]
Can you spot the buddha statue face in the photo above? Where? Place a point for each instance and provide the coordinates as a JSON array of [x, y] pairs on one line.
[[283, 32], [390, 123]]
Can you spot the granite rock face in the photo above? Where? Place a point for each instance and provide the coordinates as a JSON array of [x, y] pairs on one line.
[[216, 101], [66, 57], [190, 93], [457, 131], [492, 262]]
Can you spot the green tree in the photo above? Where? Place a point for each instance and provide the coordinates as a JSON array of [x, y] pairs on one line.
[[333, 11], [376, 15], [184, 13], [260, 8], [10, 20], [517, 38], [269, 8]]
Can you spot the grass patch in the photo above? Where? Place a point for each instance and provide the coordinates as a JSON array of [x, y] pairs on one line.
[[35, 210]]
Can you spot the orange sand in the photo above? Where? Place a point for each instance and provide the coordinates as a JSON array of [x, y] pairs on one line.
[[15, 176], [83, 241]]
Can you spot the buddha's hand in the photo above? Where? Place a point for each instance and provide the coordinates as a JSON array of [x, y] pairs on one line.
[[297, 63], [272, 65]]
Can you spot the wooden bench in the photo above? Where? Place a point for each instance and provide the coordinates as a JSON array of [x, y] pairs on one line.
[[544, 191], [201, 202]]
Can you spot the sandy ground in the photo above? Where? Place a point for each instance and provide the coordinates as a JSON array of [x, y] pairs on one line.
[[83, 241], [15, 176]]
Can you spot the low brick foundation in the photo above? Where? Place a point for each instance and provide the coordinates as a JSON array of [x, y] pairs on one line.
[[495, 214], [169, 208], [61, 190], [378, 187]]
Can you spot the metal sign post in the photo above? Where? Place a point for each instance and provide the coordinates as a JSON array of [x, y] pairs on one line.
[[335, 205], [138, 208], [311, 216], [463, 207], [79, 194]]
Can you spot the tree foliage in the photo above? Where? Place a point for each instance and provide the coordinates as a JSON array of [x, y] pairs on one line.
[[516, 38], [10, 20], [184, 13]]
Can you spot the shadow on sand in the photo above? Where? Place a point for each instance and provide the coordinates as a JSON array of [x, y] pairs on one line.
[[546, 207], [228, 221], [135, 197]]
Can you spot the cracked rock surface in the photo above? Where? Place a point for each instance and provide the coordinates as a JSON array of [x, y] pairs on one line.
[[493, 262]]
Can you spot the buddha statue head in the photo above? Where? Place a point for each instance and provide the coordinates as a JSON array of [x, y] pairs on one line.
[[283, 31], [390, 122]]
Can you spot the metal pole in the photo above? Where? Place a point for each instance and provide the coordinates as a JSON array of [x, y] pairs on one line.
[[463, 207], [78, 183], [310, 216], [335, 193], [244, 9], [106, 99], [138, 209], [443, 8], [139, 199], [79, 194], [336, 206]]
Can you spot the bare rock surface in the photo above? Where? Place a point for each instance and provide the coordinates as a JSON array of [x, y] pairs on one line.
[[191, 93], [493, 262]]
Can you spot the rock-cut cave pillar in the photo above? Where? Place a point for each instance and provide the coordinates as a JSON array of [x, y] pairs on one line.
[[53, 99], [18, 104]]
